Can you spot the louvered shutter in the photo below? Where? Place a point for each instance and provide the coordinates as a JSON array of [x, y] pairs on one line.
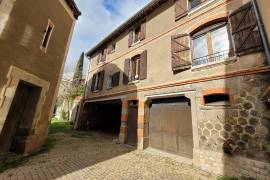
[[130, 38], [143, 30], [181, 52], [245, 30], [100, 80], [98, 58], [143, 65], [93, 82], [126, 71], [104, 55], [181, 8]]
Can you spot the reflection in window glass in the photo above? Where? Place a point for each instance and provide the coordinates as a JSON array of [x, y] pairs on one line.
[[200, 47], [220, 40]]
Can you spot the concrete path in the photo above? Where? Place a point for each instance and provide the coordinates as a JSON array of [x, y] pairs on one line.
[[98, 158]]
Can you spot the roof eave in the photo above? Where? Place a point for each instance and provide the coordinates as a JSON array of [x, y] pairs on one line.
[[127, 24]]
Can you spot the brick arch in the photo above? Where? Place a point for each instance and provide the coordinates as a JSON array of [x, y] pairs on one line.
[[208, 21]]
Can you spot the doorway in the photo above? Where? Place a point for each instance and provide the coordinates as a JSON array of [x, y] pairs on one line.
[[20, 118], [132, 123], [170, 126]]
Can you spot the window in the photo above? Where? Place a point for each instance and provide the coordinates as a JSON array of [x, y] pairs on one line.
[[101, 56], [111, 48], [217, 100], [137, 34], [195, 3], [134, 68], [113, 80], [47, 36], [211, 44], [97, 81]]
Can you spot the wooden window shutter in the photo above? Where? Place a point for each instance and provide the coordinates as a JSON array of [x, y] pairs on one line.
[[181, 8], [143, 30], [244, 30], [93, 82], [98, 58], [104, 55], [130, 38], [181, 57], [143, 65], [126, 71], [100, 80]]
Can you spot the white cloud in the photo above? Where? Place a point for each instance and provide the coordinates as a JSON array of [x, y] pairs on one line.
[[99, 18]]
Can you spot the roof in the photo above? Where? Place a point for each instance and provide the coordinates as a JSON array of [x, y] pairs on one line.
[[150, 7], [74, 8]]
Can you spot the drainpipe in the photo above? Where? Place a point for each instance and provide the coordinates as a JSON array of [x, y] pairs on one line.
[[262, 30]]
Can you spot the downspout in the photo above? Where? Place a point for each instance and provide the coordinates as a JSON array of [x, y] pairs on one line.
[[262, 30]]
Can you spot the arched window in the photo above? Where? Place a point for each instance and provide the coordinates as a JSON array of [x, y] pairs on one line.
[[211, 44]]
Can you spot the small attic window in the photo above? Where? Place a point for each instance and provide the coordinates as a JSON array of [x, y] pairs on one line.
[[217, 100]]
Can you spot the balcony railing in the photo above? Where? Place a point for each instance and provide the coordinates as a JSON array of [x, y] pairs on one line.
[[220, 56]]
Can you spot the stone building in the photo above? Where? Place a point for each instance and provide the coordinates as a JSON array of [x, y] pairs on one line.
[[34, 41], [187, 77]]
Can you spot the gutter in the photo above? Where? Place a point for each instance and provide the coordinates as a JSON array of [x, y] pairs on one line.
[[262, 30]]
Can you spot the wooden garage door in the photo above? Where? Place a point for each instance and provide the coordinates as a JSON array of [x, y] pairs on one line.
[[170, 127]]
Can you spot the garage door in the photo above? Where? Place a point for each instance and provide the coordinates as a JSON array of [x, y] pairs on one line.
[[170, 126]]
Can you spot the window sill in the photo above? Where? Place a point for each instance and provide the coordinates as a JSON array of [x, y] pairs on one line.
[[95, 91], [200, 7], [135, 43], [133, 82], [214, 64], [215, 107]]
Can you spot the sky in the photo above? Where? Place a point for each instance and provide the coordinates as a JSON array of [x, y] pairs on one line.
[[98, 19]]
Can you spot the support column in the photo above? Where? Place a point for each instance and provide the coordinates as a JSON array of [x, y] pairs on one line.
[[141, 125], [124, 117]]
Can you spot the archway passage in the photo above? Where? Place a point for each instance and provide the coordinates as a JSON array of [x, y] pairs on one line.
[[104, 116], [20, 118], [170, 126]]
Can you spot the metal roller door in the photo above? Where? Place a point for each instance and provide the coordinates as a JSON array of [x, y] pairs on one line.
[[170, 126]]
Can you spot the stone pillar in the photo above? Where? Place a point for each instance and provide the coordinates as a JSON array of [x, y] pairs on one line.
[[141, 125], [124, 117]]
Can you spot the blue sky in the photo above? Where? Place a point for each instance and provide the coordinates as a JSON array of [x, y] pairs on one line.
[[99, 18]]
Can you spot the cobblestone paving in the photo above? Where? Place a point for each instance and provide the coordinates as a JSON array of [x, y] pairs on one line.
[[98, 158]]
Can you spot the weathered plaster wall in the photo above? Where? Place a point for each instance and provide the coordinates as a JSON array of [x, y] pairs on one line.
[[21, 36]]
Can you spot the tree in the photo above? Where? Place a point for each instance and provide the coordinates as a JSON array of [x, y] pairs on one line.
[[77, 85]]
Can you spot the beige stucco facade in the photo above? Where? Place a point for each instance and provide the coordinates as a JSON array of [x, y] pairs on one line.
[[245, 78], [22, 59]]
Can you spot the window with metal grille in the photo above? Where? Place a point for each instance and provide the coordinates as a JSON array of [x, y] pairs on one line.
[[195, 3], [211, 44]]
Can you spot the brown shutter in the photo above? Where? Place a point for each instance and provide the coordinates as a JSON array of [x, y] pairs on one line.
[[245, 30], [109, 50], [126, 71], [143, 30], [98, 58], [143, 66], [100, 80], [93, 82], [104, 55], [181, 52], [181, 8], [130, 38]]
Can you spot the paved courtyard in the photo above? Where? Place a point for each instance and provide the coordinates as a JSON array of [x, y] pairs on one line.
[[97, 157]]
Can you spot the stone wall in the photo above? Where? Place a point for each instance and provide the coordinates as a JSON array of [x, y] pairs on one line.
[[243, 127]]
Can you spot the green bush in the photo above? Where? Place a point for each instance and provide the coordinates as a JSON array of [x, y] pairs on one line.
[[64, 115]]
